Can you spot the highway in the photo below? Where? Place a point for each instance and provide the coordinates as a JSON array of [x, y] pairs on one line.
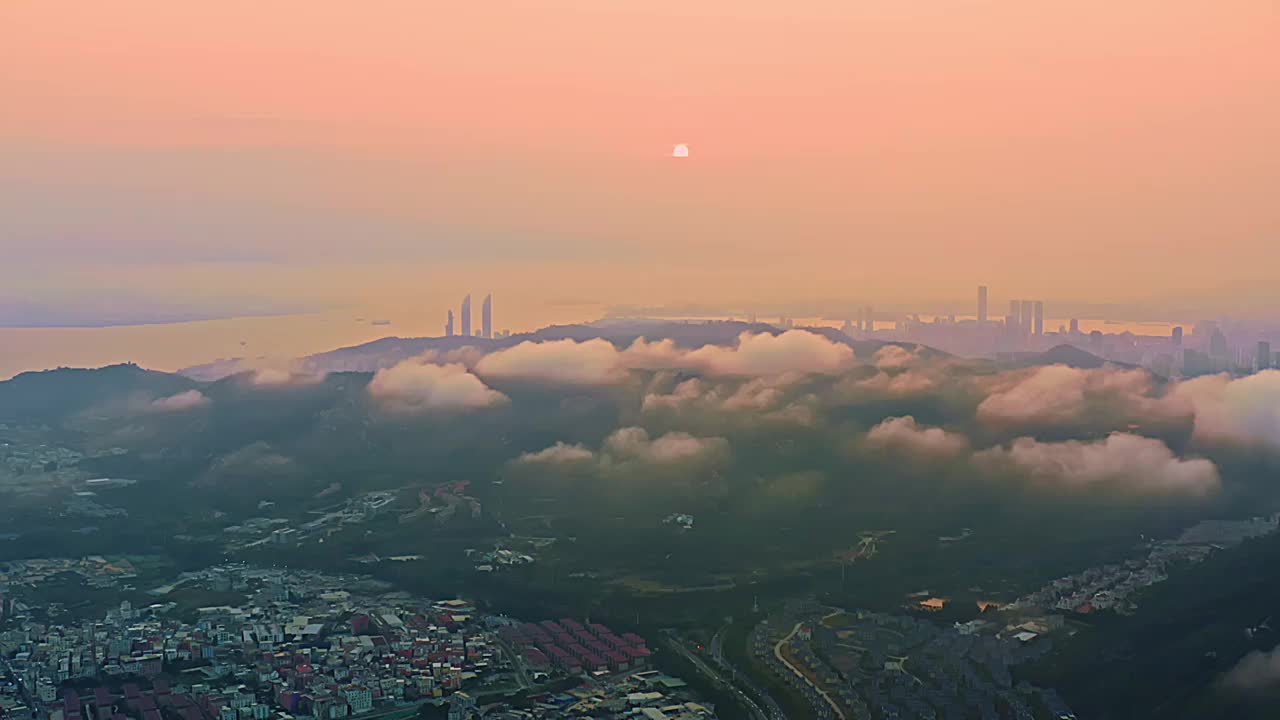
[[676, 643], [717, 652]]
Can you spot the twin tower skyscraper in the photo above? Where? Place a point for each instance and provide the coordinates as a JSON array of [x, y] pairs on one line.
[[486, 319]]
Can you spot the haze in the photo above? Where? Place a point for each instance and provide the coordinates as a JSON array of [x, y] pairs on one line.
[[163, 161]]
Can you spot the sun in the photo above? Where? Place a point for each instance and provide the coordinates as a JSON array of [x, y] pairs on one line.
[[680, 151]]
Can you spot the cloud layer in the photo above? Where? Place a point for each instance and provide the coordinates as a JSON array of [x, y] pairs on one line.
[[1061, 395], [1121, 462], [414, 386], [633, 448], [1256, 672], [181, 401], [903, 434], [598, 362], [1242, 411]]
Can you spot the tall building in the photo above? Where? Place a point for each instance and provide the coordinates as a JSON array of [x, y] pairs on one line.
[[1263, 360], [1218, 344], [871, 319], [448, 325], [982, 303], [1039, 317], [486, 317], [466, 316], [1028, 316], [1075, 326], [1015, 315], [1177, 336]]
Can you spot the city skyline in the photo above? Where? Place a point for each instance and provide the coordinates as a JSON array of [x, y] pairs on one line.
[[829, 360], [1066, 160]]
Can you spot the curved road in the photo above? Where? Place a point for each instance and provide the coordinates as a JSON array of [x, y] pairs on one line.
[[777, 653]]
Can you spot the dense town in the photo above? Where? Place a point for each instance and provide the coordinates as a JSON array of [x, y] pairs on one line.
[[310, 645], [860, 665], [1114, 586]]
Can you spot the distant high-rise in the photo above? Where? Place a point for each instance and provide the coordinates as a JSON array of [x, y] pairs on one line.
[[486, 317], [1015, 315], [1263, 360], [871, 319], [466, 316], [448, 325], [1039, 317], [982, 303], [1028, 317], [1075, 326], [1218, 344], [1177, 336]]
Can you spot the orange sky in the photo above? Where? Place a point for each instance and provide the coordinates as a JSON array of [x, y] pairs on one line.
[[240, 155]]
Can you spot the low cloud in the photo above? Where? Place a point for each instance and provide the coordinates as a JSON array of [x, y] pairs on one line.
[[594, 362], [1061, 395], [892, 357], [467, 355], [794, 351], [415, 386], [904, 434], [1121, 461], [904, 384], [758, 399], [182, 401], [258, 463], [281, 376], [684, 394], [558, 454], [634, 443], [598, 362], [1256, 672], [1244, 411]]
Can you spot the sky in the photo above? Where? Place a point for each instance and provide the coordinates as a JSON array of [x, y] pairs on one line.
[[200, 160]]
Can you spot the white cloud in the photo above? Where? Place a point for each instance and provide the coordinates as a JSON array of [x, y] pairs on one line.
[[892, 357], [1124, 462], [758, 399], [684, 394], [1256, 672], [908, 383], [634, 443], [594, 362], [1244, 411], [597, 362], [904, 434], [415, 386], [630, 452], [467, 355], [181, 401], [1058, 394], [279, 376], [763, 354], [559, 453]]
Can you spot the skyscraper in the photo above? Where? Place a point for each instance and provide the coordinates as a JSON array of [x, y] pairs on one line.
[[982, 303], [1039, 318], [448, 325], [486, 317], [1075, 327], [466, 316], [1218, 344], [1263, 360], [1177, 336], [1015, 315]]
